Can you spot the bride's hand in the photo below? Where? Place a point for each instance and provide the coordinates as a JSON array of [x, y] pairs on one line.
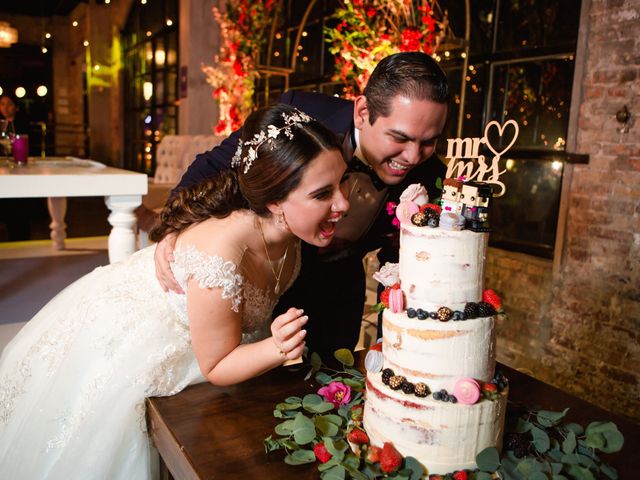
[[162, 256], [287, 333]]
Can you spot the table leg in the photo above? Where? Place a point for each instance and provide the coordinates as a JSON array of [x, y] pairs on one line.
[[57, 210], [122, 239]]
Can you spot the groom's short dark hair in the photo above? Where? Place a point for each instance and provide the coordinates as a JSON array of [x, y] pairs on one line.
[[414, 75]]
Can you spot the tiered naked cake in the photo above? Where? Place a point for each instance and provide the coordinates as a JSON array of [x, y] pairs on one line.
[[436, 397]]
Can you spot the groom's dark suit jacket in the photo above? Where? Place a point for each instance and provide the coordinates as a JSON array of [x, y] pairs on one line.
[[330, 288]]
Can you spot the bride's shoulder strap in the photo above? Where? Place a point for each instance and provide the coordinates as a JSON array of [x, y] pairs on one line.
[[211, 271]]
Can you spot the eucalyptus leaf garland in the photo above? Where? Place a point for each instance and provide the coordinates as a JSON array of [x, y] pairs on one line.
[[538, 445]]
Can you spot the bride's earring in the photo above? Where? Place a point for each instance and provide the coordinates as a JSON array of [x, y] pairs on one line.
[[281, 222]]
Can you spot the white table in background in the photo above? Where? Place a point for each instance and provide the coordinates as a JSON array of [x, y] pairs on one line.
[[57, 178]]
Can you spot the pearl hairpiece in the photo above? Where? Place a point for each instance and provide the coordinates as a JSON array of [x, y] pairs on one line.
[[272, 132]]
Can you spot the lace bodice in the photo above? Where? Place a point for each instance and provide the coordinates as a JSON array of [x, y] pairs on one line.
[[211, 271]]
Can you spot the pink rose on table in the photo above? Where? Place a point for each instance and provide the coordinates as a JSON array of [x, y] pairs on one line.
[[337, 393], [415, 193]]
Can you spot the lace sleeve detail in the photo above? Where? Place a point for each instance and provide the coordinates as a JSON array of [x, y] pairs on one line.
[[210, 271]]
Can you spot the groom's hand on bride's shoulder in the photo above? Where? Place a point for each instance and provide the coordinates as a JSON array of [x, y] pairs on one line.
[[162, 256]]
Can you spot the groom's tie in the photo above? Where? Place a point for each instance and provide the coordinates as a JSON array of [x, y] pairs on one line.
[[356, 165]]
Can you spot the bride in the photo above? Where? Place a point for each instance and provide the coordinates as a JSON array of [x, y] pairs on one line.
[[74, 380]]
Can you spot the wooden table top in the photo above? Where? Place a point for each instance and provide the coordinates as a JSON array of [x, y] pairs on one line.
[[208, 432]]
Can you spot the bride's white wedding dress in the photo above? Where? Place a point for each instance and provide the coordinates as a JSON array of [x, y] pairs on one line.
[[74, 380]]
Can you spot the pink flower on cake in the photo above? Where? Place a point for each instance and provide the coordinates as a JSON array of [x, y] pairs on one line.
[[337, 393], [415, 193], [467, 391], [388, 275], [405, 211]]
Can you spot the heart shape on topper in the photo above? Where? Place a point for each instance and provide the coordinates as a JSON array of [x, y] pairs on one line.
[[501, 129]]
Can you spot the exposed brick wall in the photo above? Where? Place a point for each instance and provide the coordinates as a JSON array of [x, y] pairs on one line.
[[584, 336]]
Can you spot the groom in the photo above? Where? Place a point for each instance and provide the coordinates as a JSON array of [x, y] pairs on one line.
[[389, 137]]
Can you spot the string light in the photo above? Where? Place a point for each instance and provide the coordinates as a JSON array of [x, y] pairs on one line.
[[85, 43], [75, 23], [44, 50], [47, 35], [42, 91], [169, 22], [20, 92]]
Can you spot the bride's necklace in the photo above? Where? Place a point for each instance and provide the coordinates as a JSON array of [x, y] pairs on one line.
[[277, 276]]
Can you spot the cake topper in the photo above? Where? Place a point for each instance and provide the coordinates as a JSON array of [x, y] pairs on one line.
[[476, 168]]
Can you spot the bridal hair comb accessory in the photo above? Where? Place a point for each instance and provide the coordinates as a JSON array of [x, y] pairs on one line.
[[290, 120]]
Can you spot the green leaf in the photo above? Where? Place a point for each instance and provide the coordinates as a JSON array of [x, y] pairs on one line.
[[355, 373], [288, 406], [285, 428], [538, 476], [323, 379], [488, 459], [315, 404], [344, 356], [414, 467], [540, 439], [574, 427], [482, 476], [334, 473], [595, 440], [555, 454], [615, 441], [439, 183], [271, 445], [326, 427], [509, 470], [559, 477], [326, 466], [556, 468], [527, 466], [570, 459], [609, 471], [304, 430], [284, 414], [353, 383], [300, 457], [548, 418], [336, 449], [316, 361], [601, 427], [523, 425], [293, 400], [586, 461], [290, 444], [579, 473], [569, 444]]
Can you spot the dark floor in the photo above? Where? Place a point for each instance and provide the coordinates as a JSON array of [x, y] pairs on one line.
[[28, 218]]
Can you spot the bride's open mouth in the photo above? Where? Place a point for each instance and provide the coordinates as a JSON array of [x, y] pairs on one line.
[[328, 227]]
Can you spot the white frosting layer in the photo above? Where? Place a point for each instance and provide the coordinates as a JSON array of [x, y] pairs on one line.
[[438, 353], [441, 267], [442, 436]]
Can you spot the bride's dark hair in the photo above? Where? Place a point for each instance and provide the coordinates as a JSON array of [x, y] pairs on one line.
[[275, 172]]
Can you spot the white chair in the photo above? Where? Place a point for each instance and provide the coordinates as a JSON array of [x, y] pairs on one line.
[[174, 154]]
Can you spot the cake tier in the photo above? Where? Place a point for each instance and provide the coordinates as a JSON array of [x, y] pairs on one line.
[[441, 267], [438, 353], [444, 437]]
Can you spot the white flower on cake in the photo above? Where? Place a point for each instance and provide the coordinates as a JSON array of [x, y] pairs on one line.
[[415, 193], [388, 275]]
